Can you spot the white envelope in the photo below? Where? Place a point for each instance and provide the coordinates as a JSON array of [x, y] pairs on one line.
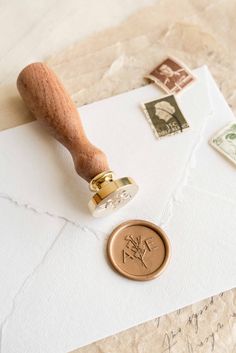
[[57, 290]]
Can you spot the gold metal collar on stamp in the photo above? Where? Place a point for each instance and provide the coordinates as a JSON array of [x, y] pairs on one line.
[[110, 194]]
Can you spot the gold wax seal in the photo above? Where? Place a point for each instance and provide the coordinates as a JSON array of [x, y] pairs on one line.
[[139, 250]]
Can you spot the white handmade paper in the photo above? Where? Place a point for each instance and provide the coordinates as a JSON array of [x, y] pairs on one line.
[[70, 296], [38, 171]]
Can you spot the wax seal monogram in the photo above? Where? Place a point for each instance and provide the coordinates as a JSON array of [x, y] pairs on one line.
[[115, 201], [139, 250]]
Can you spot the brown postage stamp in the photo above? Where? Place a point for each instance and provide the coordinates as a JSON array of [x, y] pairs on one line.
[[171, 76], [165, 116]]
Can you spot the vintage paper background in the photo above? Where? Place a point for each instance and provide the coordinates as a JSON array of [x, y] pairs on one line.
[[114, 61]]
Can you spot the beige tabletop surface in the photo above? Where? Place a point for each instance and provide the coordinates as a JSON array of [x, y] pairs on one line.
[[103, 48]]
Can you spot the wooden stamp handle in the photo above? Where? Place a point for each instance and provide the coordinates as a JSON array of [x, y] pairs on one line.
[[48, 100]]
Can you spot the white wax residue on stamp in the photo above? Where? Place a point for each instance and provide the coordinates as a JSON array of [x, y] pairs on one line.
[[165, 116], [225, 142], [171, 75]]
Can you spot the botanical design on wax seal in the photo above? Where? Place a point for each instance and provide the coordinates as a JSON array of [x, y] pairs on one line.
[[136, 249], [171, 75], [165, 116]]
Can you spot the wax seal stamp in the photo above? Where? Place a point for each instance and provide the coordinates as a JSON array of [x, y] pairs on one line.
[[48, 100], [139, 250], [111, 193]]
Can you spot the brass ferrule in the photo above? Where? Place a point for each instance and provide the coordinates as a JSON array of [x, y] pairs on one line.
[[100, 180]]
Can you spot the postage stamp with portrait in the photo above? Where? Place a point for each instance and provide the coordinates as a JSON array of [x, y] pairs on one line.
[[171, 75], [165, 116], [225, 142]]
